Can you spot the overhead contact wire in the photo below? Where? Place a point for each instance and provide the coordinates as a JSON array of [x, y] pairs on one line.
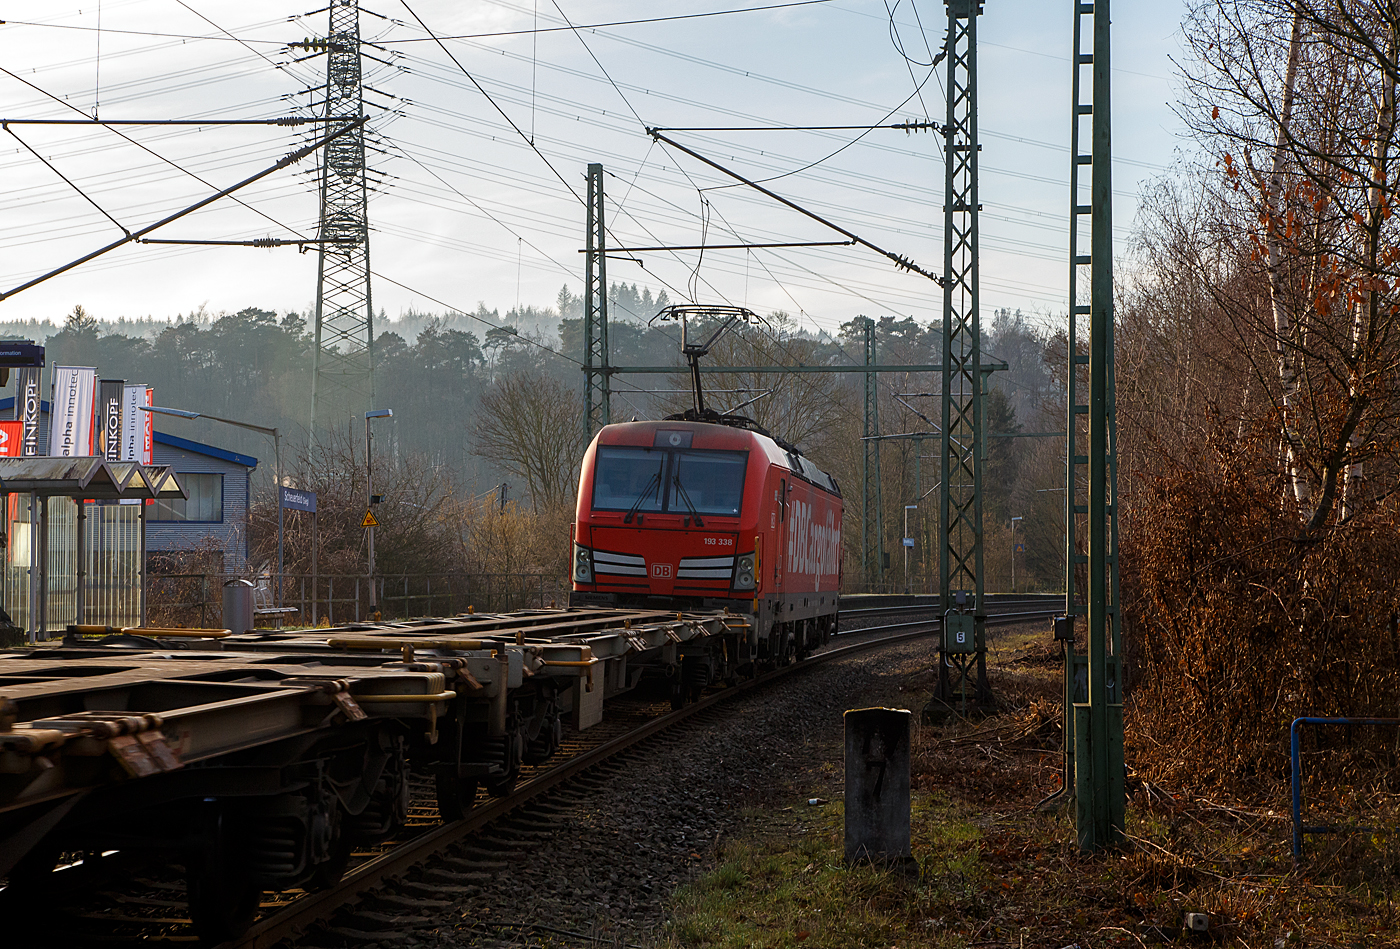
[[899, 260], [147, 150], [86, 197], [281, 163]]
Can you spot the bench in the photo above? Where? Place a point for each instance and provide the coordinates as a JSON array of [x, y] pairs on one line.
[[264, 603]]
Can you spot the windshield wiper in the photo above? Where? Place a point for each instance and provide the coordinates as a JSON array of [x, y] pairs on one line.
[[652, 485], [686, 498]]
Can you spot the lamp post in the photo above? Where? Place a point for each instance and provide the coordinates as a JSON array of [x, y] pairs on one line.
[[1013, 552], [277, 462], [908, 542], [369, 498]]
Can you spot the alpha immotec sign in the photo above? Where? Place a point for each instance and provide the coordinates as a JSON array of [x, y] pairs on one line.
[[70, 421], [136, 433]]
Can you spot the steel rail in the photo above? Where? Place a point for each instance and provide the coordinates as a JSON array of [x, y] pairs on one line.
[[1027, 599], [315, 907]]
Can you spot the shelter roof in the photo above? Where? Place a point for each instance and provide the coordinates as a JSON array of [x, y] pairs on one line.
[[88, 477]]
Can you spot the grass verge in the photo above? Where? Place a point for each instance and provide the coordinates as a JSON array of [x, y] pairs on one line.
[[992, 870]]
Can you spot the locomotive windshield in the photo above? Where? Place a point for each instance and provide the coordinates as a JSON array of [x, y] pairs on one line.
[[712, 480], [628, 479], [641, 480]]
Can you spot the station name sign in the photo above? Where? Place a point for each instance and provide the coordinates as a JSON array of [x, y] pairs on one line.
[[298, 500]]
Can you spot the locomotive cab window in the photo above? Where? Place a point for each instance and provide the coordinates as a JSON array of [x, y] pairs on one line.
[[626, 479], [645, 480], [713, 482]]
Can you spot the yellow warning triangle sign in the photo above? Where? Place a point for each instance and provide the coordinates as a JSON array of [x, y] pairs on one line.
[[369, 520]]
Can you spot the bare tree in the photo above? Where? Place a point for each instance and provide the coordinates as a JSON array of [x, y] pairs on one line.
[[532, 426], [1296, 101]]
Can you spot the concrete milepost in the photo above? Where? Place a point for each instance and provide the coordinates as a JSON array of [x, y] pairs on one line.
[[877, 785]]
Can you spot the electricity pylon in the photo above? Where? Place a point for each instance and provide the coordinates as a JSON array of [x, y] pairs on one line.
[[872, 515], [342, 378]]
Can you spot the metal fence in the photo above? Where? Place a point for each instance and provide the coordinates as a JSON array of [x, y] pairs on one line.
[[196, 599]]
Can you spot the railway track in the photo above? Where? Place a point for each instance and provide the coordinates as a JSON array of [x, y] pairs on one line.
[[108, 902]]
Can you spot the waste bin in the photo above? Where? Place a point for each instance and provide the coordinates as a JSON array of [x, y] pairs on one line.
[[238, 606]]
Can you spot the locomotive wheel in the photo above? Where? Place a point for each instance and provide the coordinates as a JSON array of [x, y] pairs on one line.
[[455, 794], [678, 696], [223, 901]]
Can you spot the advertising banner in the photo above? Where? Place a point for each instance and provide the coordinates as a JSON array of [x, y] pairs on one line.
[[109, 418], [70, 418], [148, 440], [10, 434], [133, 423], [27, 409]]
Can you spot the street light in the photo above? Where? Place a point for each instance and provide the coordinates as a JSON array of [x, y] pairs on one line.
[[277, 462], [369, 498], [1013, 552], [908, 542]]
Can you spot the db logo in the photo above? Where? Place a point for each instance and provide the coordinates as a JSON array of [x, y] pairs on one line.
[[661, 571]]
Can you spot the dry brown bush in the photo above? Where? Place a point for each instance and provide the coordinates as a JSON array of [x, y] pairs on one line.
[[1236, 623]]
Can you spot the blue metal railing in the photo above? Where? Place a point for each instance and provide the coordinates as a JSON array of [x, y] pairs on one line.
[[1295, 751]]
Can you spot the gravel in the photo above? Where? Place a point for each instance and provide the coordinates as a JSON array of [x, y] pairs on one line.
[[649, 824]]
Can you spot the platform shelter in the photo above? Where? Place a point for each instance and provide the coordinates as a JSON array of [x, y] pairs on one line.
[[75, 540]]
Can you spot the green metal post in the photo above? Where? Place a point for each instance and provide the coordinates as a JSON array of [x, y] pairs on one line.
[[1076, 412], [597, 398], [872, 519], [1098, 755], [961, 456]]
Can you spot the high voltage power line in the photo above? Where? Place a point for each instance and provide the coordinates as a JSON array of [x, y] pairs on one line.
[[430, 186]]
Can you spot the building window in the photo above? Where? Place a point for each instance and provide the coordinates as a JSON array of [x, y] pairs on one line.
[[206, 501]]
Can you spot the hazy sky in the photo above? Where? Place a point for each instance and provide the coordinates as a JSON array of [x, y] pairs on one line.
[[467, 212]]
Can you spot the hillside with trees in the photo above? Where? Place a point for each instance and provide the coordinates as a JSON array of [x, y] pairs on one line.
[[486, 399]]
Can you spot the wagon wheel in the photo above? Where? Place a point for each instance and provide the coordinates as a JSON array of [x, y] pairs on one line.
[[223, 900], [456, 793], [329, 871], [505, 787]]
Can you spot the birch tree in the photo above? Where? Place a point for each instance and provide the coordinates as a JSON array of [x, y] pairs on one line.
[[1294, 99]]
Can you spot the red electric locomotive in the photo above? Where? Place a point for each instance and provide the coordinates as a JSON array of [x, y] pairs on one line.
[[704, 511], [691, 515]]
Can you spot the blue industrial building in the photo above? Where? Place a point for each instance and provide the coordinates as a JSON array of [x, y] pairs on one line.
[[218, 483]]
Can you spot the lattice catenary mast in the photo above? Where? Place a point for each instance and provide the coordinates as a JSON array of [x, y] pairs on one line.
[[597, 372], [342, 380], [962, 439]]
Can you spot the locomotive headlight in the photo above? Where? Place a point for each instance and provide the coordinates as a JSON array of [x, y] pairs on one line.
[[744, 572], [583, 564]]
